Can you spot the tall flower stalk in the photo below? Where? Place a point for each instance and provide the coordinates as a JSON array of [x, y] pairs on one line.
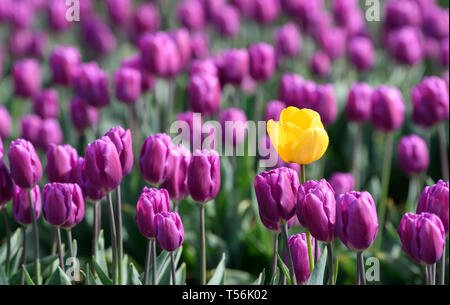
[[37, 262]]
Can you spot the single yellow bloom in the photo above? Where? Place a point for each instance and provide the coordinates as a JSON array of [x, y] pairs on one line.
[[299, 136]]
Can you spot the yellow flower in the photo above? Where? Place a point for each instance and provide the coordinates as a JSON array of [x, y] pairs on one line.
[[299, 136]]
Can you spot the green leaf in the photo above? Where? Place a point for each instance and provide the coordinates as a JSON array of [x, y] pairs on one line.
[[28, 279], [101, 274], [276, 277], [90, 278], [15, 262], [100, 257], [59, 278], [46, 269], [260, 279], [218, 277], [165, 277], [336, 268], [3, 277], [316, 277], [16, 244], [284, 269], [181, 274], [133, 275]]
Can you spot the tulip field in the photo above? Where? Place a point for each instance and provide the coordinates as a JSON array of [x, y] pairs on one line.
[[224, 142]]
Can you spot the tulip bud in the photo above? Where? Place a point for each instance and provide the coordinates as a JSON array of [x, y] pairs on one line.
[[316, 209], [206, 66], [90, 192], [422, 236], [204, 93], [434, 199], [444, 52], [235, 66], [127, 82], [30, 126], [103, 167], [320, 64], [436, 22], [359, 105], [195, 125], [50, 133], [361, 53], [151, 202], [5, 122], [276, 191], [430, 101], [56, 11], [199, 45], [212, 7], [91, 84], [388, 108], [122, 140], [159, 54], [64, 62], [83, 116], [288, 40], [326, 104], [182, 39], [56, 203], [61, 163], [290, 89], [332, 41], [26, 168], [273, 110], [169, 231], [97, 35], [356, 220], [155, 161], [348, 14], [77, 200], [406, 45], [267, 11], [46, 104], [342, 183], [227, 20], [148, 81], [6, 184], [402, 13], [21, 204], [176, 182], [262, 61], [234, 123], [412, 154], [191, 14], [204, 175], [146, 19], [27, 77], [300, 258], [119, 10]]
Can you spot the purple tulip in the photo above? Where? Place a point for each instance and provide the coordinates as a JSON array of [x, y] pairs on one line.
[[235, 66], [267, 11], [176, 182], [182, 39], [26, 168], [342, 183], [203, 66], [246, 7], [356, 220], [204, 93], [155, 161], [422, 236], [103, 167], [119, 10], [332, 41], [199, 45], [77, 214], [146, 19], [227, 21], [2, 150], [320, 64], [159, 54], [434, 199], [83, 116], [191, 14], [412, 152], [90, 192], [25, 42], [273, 110], [151, 202], [316, 209], [299, 251], [444, 52], [348, 14], [406, 45], [64, 62], [430, 101], [46, 104], [402, 13], [97, 35], [388, 108], [57, 203], [123, 141], [359, 104], [21, 204], [290, 89], [195, 126], [5, 123], [61, 163], [234, 126], [204, 175], [6, 184], [56, 11], [30, 126], [22, 15], [27, 77], [148, 81], [288, 40], [361, 53], [326, 104], [261, 61], [169, 231], [50, 133], [436, 22], [276, 191], [91, 84], [127, 82]]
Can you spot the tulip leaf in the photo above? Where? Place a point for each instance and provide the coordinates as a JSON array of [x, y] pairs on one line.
[[27, 277], [336, 269], [16, 243], [133, 275], [284, 269], [181, 274], [276, 277], [104, 279], [260, 279], [218, 277], [15, 263], [46, 269], [165, 277], [58, 278], [316, 277], [3, 277], [100, 257], [90, 278]]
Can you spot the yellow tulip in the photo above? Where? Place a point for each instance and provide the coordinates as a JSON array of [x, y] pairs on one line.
[[299, 136]]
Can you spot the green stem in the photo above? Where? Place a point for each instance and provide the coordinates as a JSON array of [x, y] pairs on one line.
[[37, 262], [69, 242], [425, 274], [357, 155], [442, 269], [23, 259], [8, 238], [413, 189], [60, 254], [310, 251], [154, 261], [284, 229], [148, 255], [362, 271], [119, 232], [330, 263], [95, 229], [275, 250], [112, 228], [443, 151], [174, 280], [203, 242]]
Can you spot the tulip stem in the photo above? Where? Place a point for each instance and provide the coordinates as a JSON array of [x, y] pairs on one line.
[[442, 269], [54, 243], [119, 231], [112, 225], [443, 151], [433, 273], [275, 250], [330, 263], [37, 262], [95, 229], [316, 251], [70, 242], [386, 175], [60, 254], [310, 251], [357, 155], [358, 271], [425, 274], [23, 259], [259, 103], [203, 242], [362, 271], [302, 174], [154, 261], [148, 255], [8, 239], [413, 189], [174, 280], [284, 229]]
